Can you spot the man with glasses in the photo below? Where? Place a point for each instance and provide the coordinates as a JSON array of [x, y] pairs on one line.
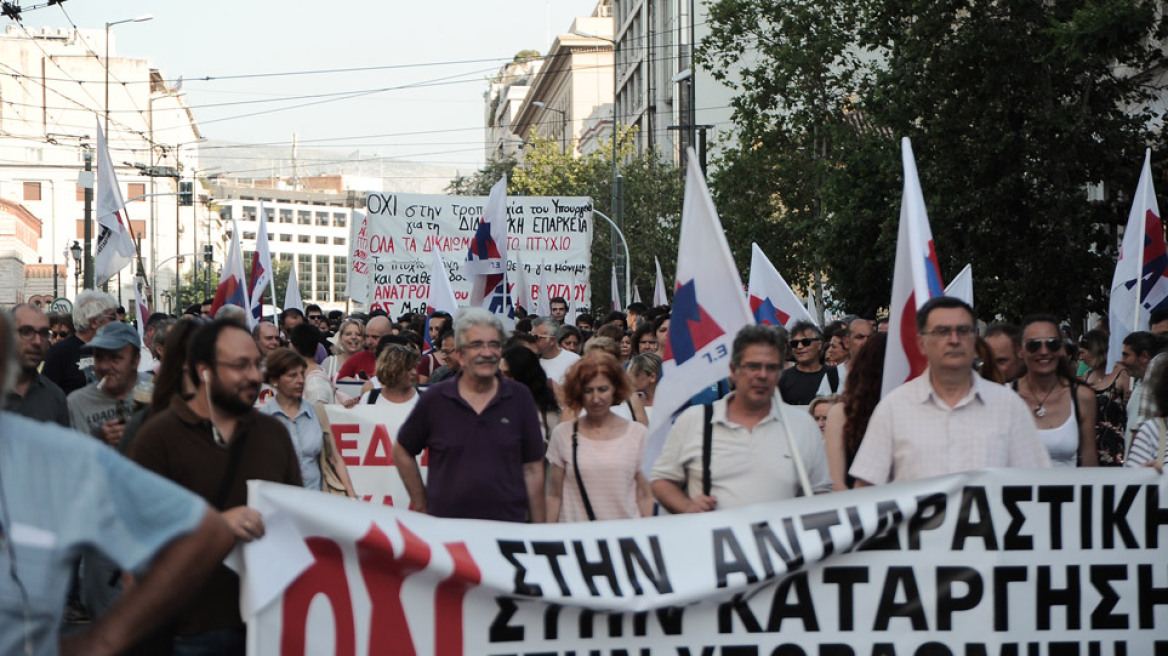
[[948, 419], [64, 364], [809, 378], [33, 395], [859, 330], [554, 359], [212, 445], [757, 444], [483, 432]]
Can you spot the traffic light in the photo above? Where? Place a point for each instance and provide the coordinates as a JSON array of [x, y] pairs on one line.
[[186, 193], [208, 253]]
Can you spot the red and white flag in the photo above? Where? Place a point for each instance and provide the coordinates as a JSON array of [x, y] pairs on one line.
[[232, 288], [260, 276], [486, 259], [771, 300], [521, 292], [659, 297], [1139, 284], [709, 309], [916, 277], [115, 245]]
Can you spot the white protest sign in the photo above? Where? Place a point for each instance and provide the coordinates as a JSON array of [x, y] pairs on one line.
[[992, 562], [389, 258], [365, 435]]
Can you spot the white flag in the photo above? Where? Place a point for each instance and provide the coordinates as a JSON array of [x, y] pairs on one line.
[[771, 300], [115, 244], [709, 309], [260, 276], [292, 292], [543, 305], [615, 292], [962, 285], [1139, 284], [659, 297], [522, 290]]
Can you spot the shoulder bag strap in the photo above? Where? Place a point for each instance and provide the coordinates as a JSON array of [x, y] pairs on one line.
[[832, 378], [372, 400], [329, 474], [707, 448], [235, 454], [576, 467]]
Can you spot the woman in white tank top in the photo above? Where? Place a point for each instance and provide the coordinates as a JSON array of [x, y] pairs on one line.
[[1063, 408]]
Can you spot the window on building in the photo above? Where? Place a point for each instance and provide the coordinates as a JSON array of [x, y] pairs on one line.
[[304, 217], [338, 241], [322, 278], [225, 213], [303, 239], [285, 216], [249, 235], [322, 218], [340, 220], [136, 191], [321, 239], [340, 276], [284, 237], [271, 236], [304, 275], [248, 212], [32, 191]]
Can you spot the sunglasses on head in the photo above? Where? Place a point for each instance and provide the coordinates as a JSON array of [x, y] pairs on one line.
[[805, 342], [1053, 345]]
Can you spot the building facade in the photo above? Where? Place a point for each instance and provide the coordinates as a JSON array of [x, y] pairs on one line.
[[52, 97]]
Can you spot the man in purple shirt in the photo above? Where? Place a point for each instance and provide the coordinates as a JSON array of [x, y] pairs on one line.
[[486, 449]]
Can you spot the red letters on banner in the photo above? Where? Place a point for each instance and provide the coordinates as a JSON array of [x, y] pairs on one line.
[[383, 574]]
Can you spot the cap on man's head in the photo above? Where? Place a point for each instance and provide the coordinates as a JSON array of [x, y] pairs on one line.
[[112, 337]]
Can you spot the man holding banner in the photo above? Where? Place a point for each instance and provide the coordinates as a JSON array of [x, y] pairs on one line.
[[948, 419], [747, 448], [483, 432]]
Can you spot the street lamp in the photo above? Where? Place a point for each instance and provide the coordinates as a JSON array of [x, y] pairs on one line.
[[75, 250], [563, 124]]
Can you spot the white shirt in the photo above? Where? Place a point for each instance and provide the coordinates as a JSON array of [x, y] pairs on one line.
[[746, 466], [557, 367], [914, 434]]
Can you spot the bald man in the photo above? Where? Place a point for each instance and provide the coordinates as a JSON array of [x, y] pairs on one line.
[[363, 365]]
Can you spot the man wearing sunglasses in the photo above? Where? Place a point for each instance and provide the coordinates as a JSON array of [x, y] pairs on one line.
[[33, 395], [948, 419], [809, 378]]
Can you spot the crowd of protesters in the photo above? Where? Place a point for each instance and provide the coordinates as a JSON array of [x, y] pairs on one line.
[[146, 439]]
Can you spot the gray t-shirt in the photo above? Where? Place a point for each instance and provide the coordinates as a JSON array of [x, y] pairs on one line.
[[90, 407]]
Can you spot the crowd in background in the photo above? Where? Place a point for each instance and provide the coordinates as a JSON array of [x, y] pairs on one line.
[[548, 422]]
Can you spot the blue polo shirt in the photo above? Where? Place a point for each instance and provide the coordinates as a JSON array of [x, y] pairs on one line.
[[476, 460], [65, 493]]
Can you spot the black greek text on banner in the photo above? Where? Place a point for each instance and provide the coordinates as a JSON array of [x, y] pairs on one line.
[[989, 563], [390, 247]]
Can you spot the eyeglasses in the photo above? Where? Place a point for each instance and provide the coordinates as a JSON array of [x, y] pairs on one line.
[[545, 336], [759, 367], [27, 332], [1053, 345], [803, 343], [315, 317], [944, 331], [60, 334], [243, 365], [480, 346]]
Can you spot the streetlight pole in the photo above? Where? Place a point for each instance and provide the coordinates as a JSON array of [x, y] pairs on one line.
[[625, 243], [136, 19]]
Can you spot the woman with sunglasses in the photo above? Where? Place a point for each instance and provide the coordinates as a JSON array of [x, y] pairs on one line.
[[1064, 409]]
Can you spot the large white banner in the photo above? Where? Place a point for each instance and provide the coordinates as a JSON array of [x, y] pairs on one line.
[[389, 257], [995, 562]]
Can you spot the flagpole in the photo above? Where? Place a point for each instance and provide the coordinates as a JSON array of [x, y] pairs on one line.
[[625, 243]]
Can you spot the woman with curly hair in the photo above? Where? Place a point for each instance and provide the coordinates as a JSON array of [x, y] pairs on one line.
[[522, 366], [848, 420]]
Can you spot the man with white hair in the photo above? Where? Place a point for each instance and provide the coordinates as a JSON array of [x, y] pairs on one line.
[[554, 359], [64, 494], [64, 364], [483, 432]]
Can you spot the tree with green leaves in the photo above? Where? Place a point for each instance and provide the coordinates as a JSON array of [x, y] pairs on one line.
[[652, 201], [1015, 109]]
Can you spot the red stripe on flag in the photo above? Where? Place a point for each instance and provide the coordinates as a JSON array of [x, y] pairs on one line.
[[908, 339]]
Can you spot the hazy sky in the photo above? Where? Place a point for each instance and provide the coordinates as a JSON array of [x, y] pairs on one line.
[[440, 51]]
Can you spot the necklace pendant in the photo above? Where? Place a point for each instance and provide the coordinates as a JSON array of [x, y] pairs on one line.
[[1039, 411]]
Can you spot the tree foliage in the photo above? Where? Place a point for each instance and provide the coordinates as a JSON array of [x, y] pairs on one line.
[[651, 205], [1015, 108]]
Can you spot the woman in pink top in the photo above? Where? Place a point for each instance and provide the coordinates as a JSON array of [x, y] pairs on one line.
[[596, 460]]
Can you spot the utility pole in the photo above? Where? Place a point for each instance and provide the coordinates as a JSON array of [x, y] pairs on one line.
[[88, 232]]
